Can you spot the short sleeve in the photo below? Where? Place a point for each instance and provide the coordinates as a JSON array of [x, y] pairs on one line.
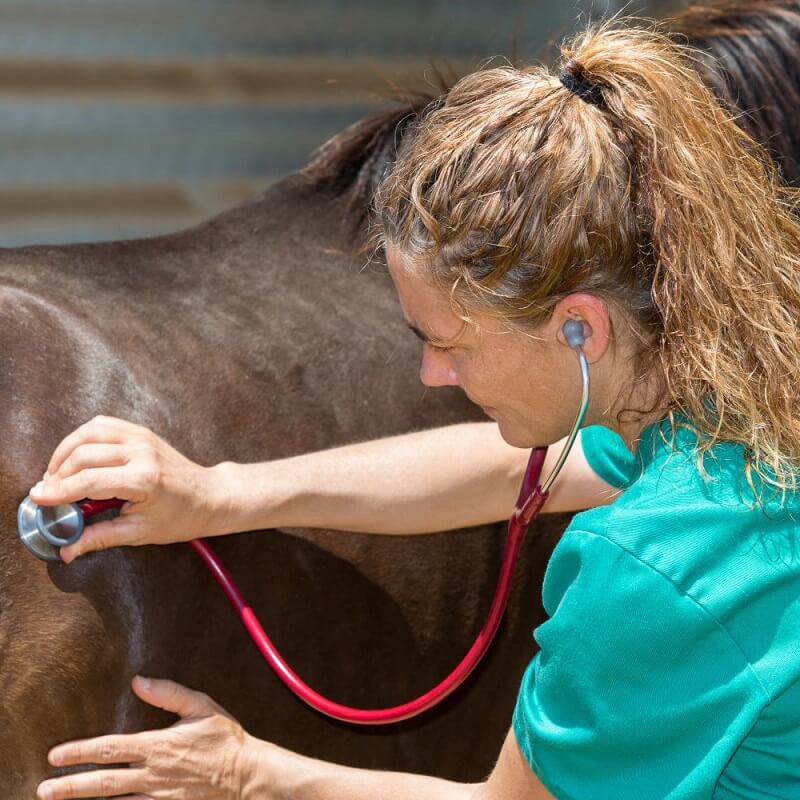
[[637, 692], [607, 455]]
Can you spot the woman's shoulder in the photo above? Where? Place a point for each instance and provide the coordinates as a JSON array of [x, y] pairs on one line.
[[633, 677], [740, 567]]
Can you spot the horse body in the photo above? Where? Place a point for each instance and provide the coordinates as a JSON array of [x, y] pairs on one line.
[[252, 337]]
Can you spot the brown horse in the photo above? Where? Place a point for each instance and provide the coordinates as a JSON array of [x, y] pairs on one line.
[[254, 336]]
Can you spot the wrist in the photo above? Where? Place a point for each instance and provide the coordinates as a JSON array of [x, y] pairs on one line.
[[269, 772], [222, 501], [250, 497]]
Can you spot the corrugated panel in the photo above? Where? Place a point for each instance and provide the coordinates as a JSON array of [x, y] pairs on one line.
[[130, 117], [144, 28]]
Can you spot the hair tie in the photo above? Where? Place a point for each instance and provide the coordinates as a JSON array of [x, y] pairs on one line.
[[589, 93]]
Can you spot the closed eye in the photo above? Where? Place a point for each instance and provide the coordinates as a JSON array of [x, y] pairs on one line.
[[438, 348]]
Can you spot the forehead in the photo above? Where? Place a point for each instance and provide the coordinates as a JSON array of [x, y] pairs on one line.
[[426, 307]]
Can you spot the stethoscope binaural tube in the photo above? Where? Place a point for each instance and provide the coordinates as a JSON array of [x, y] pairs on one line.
[[532, 496]]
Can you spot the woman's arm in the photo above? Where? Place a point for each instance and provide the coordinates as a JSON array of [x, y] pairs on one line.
[[433, 480], [278, 773]]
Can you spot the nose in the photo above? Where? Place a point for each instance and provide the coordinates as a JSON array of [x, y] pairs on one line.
[[437, 368]]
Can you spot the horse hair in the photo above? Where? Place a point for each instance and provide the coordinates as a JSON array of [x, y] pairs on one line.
[[749, 57]]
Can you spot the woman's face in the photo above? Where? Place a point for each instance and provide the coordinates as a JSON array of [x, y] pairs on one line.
[[528, 381]]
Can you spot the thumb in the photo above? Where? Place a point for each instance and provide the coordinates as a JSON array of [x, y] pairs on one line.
[[173, 697], [100, 536]]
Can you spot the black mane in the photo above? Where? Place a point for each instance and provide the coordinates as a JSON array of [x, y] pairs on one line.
[[750, 56], [351, 164]]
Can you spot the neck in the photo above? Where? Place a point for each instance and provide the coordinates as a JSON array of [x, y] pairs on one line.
[[628, 414]]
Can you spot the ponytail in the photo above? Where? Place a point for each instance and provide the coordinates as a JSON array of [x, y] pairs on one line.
[[725, 245]]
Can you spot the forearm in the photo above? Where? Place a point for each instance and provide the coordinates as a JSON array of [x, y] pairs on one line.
[[277, 774], [433, 480]]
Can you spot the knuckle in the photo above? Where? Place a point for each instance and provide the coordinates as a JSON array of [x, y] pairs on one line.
[[82, 481], [96, 543], [108, 784], [162, 752], [108, 751], [149, 473], [71, 464]]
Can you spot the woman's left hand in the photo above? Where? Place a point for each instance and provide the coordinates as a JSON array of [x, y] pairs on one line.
[[203, 756]]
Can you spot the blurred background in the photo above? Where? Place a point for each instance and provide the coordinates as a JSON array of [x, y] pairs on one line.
[[125, 118]]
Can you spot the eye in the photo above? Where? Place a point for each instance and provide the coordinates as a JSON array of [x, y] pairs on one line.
[[438, 348]]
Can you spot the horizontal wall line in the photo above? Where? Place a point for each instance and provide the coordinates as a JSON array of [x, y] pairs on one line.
[[318, 79], [145, 200]]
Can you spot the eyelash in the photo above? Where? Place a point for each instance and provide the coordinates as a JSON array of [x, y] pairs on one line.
[[439, 349]]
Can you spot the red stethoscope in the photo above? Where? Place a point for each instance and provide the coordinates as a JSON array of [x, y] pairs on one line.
[[45, 529]]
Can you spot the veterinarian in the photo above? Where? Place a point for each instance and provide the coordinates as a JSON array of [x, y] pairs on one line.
[[614, 191]]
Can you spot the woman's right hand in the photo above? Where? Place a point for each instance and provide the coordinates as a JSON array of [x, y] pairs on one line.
[[169, 498]]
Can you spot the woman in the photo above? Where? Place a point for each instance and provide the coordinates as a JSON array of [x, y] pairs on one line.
[[617, 193]]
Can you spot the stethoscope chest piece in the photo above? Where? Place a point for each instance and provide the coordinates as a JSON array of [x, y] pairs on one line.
[[45, 529]]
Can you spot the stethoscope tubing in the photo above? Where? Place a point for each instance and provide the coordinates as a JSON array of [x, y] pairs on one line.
[[532, 497]]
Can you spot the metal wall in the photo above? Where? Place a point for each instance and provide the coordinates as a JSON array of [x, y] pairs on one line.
[[128, 117]]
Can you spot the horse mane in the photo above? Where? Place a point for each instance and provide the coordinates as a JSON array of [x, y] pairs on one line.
[[748, 54], [351, 164]]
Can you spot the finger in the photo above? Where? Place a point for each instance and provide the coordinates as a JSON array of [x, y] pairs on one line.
[[114, 749], [173, 697], [117, 532], [99, 429], [86, 456], [99, 483], [100, 783]]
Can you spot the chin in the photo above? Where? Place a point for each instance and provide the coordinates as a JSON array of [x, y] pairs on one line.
[[514, 436]]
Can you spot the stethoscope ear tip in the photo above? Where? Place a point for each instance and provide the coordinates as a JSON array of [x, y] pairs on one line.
[[573, 333]]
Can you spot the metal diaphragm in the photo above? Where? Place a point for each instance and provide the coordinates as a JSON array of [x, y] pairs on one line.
[[44, 529]]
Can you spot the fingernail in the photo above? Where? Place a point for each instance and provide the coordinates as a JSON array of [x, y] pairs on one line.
[[44, 792], [55, 757], [143, 682], [38, 488]]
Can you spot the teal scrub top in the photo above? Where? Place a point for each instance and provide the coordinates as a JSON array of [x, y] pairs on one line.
[[669, 666]]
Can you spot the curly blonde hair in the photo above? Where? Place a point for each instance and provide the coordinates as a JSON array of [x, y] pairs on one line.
[[514, 192]]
